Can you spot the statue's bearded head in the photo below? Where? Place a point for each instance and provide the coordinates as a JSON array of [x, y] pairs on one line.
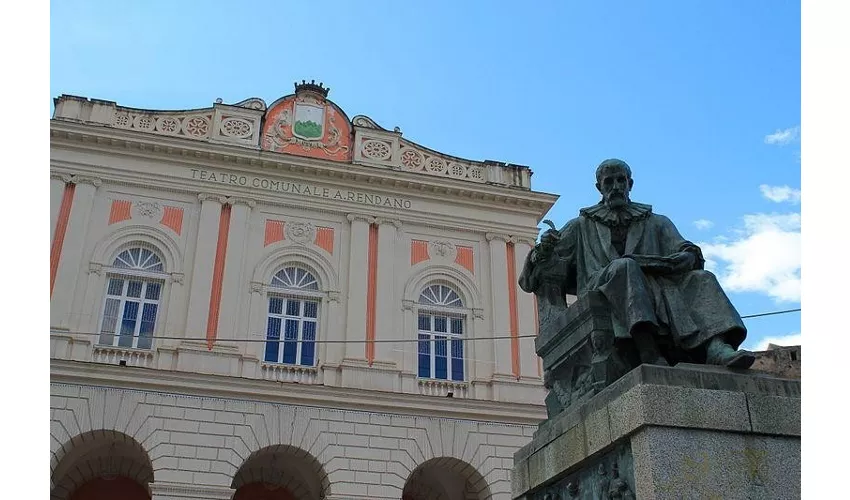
[[614, 181]]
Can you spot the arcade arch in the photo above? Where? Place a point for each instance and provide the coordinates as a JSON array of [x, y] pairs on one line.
[[280, 472], [101, 465], [445, 478]]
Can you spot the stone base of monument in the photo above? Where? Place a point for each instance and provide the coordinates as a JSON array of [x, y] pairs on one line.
[[690, 431]]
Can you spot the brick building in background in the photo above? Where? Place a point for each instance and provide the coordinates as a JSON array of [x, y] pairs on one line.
[[280, 302]]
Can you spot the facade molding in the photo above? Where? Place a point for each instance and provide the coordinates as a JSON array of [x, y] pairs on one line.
[[314, 396], [175, 185], [227, 156], [283, 252], [109, 246], [428, 272]]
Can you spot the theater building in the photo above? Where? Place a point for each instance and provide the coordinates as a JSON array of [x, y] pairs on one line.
[[282, 302]]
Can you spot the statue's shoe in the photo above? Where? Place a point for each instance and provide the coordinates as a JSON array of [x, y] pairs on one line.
[[721, 353], [741, 359]]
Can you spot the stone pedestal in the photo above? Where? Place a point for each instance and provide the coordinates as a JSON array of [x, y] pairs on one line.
[[690, 431]]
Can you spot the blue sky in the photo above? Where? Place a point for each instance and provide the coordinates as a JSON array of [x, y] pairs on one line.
[[702, 98]]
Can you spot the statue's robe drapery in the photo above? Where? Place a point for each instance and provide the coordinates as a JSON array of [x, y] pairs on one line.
[[689, 306]]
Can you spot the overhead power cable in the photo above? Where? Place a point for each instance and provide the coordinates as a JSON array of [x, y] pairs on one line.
[[259, 337]]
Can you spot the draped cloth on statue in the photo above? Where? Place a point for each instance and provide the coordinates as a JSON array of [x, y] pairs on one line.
[[690, 306]]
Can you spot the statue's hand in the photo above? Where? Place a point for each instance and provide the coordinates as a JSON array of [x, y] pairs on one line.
[[548, 240], [683, 262]]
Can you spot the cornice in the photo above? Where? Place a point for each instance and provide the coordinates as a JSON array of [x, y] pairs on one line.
[[185, 186], [218, 386], [201, 153]]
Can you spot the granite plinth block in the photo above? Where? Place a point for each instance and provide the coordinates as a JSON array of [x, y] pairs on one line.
[[689, 431]]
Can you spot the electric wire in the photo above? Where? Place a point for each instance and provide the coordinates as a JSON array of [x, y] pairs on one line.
[[260, 337]]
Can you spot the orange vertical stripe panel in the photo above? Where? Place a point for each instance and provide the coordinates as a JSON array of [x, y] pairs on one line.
[[465, 258], [172, 217], [59, 234], [325, 238], [218, 275], [371, 293], [120, 211], [512, 284], [418, 252], [274, 232]]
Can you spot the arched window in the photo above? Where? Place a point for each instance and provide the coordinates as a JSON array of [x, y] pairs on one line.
[[441, 325], [133, 292], [293, 312]]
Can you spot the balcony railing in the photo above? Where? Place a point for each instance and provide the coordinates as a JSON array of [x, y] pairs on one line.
[[115, 355], [279, 372], [434, 387]]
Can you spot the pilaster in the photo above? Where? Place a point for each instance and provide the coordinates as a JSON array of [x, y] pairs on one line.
[[71, 252], [385, 306], [202, 271], [500, 317], [355, 322], [57, 187], [526, 313], [233, 284]]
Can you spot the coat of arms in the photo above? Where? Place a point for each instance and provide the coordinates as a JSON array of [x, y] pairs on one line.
[[309, 123]]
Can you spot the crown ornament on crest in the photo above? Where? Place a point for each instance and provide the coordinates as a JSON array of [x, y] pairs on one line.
[[311, 86]]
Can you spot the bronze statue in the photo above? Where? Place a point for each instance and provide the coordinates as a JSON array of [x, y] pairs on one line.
[[659, 295]]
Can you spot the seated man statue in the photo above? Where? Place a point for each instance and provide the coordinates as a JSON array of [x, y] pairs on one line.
[[652, 278]]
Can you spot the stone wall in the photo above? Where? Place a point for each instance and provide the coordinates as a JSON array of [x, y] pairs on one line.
[[204, 441]]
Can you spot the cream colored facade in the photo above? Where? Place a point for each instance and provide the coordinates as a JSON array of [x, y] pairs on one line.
[[202, 411]]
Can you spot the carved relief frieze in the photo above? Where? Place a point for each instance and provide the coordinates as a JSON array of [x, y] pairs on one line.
[[415, 159], [191, 124]]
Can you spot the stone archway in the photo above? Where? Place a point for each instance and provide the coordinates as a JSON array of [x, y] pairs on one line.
[[445, 478], [280, 473], [101, 465]]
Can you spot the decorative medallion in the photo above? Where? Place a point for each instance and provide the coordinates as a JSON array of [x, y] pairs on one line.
[[168, 125], [300, 232], [196, 126], [307, 124], [147, 209], [411, 159], [236, 127], [442, 250], [378, 150]]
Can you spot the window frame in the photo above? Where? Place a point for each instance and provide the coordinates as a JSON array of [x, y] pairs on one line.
[[286, 294], [128, 275], [433, 311]]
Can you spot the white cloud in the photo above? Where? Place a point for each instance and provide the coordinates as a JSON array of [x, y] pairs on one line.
[[703, 224], [784, 341], [763, 257], [782, 137], [780, 193]]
